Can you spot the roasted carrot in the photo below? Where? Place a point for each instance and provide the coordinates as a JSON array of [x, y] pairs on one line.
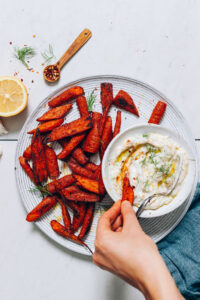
[[47, 126], [87, 222], [124, 101], [90, 185], [65, 216], [106, 135], [70, 145], [74, 206], [78, 220], [81, 196], [60, 229], [70, 129], [91, 166], [60, 183], [158, 112], [72, 189], [67, 95], [45, 205], [106, 94], [127, 193], [102, 190], [82, 106], [92, 141], [55, 113], [38, 158], [96, 117], [25, 165], [52, 163], [80, 156], [77, 169], [117, 123], [97, 173], [27, 152]]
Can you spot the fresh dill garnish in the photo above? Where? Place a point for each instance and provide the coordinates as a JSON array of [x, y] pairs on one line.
[[164, 170], [145, 135], [48, 55], [90, 101], [152, 159], [42, 189], [146, 185], [144, 161], [150, 148], [24, 53]]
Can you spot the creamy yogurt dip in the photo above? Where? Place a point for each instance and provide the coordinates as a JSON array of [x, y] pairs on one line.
[[152, 163]]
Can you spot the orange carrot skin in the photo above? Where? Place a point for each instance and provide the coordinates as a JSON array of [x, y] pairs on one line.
[[47, 126], [102, 190], [27, 153], [117, 124], [90, 185], [92, 141], [74, 206], [91, 166], [60, 183], [124, 101], [67, 95], [158, 113], [80, 196], [82, 106], [71, 129], [52, 163], [80, 156], [87, 222], [38, 158], [55, 113], [96, 117], [97, 173], [66, 216], [44, 206], [79, 170], [106, 135], [25, 165], [78, 220], [70, 146], [127, 193], [106, 94]]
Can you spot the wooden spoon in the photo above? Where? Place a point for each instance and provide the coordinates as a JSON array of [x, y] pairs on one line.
[[51, 73]]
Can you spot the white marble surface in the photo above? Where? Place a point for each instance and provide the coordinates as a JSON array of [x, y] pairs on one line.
[[153, 41]]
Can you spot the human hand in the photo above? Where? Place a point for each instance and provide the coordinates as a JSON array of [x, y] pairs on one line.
[[122, 248]]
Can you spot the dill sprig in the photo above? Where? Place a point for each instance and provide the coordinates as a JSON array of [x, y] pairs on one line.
[[48, 55], [90, 101], [24, 53], [42, 189]]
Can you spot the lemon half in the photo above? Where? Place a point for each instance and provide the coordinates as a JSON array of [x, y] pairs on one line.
[[13, 96]]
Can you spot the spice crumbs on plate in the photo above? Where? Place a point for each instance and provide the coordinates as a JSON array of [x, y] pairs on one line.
[[34, 35]]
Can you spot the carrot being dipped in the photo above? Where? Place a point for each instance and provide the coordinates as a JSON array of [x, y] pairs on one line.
[[70, 129], [124, 101], [44, 206], [55, 113], [60, 229], [60, 183], [158, 113], [67, 95], [52, 163], [79, 170], [127, 192], [47, 126], [117, 124], [70, 146], [25, 165], [87, 222], [82, 106], [38, 158], [106, 136], [80, 156]]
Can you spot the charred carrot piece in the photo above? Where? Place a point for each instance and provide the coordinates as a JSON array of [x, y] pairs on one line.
[[80, 156], [52, 163], [67, 95], [72, 189], [74, 206], [91, 166], [92, 141], [87, 222], [44, 206], [97, 173], [70, 146], [78, 220], [55, 113], [127, 193], [117, 123], [106, 94], [47, 126], [38, 158], [106, 136], [77, 169], [27, 153], [80, 196], [61, 230], [66, 216], [124, 101], [96, 117], [70, 129], [158, 112], [102, 190], [25, 165], [90, 185], [60, 183], [82, 106]]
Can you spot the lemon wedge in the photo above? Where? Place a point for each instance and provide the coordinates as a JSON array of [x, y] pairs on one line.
[[13, 96]]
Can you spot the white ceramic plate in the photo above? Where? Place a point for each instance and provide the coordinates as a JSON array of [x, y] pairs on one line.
[[139, 130], [145, 98]]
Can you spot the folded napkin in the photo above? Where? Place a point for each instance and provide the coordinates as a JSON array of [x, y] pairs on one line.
[[181, 251]]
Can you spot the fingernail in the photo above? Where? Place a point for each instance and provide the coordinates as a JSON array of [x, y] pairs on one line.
[[126, 203]]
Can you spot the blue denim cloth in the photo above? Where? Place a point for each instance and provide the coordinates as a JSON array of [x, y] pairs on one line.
[[181, 251]]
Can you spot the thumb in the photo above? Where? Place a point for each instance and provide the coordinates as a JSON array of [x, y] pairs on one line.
[[130, 221]]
